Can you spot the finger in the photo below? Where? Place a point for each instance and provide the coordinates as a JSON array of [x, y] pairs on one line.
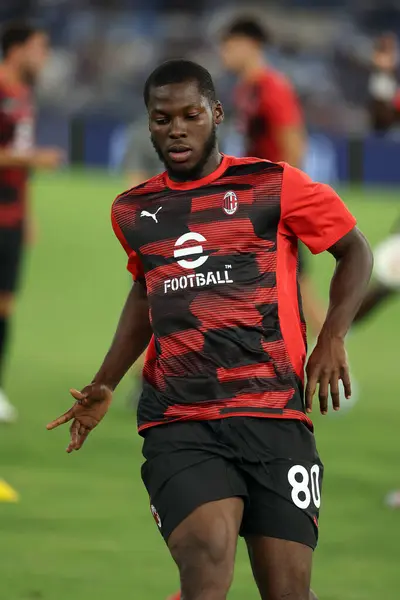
[[345, 377], [77, 394], [83, 434], [310, 391], [323, 393], [74, 430], [61, 420], [334, 385]]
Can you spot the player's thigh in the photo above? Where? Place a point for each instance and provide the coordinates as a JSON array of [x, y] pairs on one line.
[[204, 545], [196, 498], [184, 470], [11, 242], [282, 568]]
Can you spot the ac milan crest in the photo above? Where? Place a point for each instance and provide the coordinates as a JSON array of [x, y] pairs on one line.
[[155, 515], [231, 203]]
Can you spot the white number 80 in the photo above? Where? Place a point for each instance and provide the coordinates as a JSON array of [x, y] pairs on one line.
[[302, 486]]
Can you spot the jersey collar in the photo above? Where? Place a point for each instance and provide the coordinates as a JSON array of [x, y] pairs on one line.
[[191, 185]]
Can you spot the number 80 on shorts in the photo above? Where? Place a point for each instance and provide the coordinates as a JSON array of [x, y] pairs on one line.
[[305, 486]]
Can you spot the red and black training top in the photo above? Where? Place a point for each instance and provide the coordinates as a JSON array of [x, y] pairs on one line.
[[16, 133], [219, 259]]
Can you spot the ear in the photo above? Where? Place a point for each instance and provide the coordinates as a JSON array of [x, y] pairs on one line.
[[218, 113]]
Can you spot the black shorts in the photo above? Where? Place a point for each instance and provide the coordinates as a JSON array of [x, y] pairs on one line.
[[272, 464], [11, 245]]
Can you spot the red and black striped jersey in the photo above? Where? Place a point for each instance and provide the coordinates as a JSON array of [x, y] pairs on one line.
[[16, 133], [219, 259]]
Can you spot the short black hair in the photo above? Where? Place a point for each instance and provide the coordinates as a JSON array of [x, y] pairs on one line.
[[247, 27], [16, 34], [181, 71]]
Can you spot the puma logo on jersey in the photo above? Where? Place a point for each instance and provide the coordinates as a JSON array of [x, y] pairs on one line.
[[153, 216]]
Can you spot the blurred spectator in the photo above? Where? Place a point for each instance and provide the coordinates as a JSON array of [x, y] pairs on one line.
[[383, 83]]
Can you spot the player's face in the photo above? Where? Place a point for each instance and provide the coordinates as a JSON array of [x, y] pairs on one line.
[[35, 55], [235, 53], [183, 128]]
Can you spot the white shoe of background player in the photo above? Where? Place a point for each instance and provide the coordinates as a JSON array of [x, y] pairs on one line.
[[8, 414], [387, 262]]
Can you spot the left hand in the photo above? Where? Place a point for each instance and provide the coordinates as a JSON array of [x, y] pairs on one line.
[[326, 366]]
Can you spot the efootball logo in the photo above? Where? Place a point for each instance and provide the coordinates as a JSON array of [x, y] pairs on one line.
[[197, 250], [231, 203], [189, 252]]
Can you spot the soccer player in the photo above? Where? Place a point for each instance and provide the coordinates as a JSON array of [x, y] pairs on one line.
[[24, 49], [270, 118], [228, 441]]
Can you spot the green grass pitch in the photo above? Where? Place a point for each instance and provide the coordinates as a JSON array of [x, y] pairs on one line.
[[82, 528]]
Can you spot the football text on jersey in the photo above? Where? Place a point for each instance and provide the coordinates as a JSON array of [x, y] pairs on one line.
[[192, 257]]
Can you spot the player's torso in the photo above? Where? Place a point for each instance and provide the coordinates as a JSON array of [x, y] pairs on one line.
[[16, 133], [254, 121], [210, 258], [209, 254]]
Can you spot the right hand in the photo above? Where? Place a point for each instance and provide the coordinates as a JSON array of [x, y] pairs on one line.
[[91, 405], [48, 158]]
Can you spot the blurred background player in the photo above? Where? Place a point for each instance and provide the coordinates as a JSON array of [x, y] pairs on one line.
[[383, 88], [267, 108], [24, 52], [270, 118]]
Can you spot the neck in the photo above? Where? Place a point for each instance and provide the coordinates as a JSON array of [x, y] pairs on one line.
[[253, 67], [213, 162]]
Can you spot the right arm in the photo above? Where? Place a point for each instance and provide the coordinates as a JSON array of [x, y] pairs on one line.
[[12, 156], [92, 403], [134, 330], [131, 338]]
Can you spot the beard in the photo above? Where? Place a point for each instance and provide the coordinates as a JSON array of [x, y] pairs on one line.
[[196, 171]]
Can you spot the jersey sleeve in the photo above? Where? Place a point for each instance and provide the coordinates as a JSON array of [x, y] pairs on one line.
[[280, 103], [134, 265], [313, 212]]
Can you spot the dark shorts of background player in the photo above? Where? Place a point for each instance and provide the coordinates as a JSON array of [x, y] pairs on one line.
[[272, 464], [11, 246]]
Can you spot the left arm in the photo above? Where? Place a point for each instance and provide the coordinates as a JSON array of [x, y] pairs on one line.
[[328, 361], [354, 261], [316, 215]]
